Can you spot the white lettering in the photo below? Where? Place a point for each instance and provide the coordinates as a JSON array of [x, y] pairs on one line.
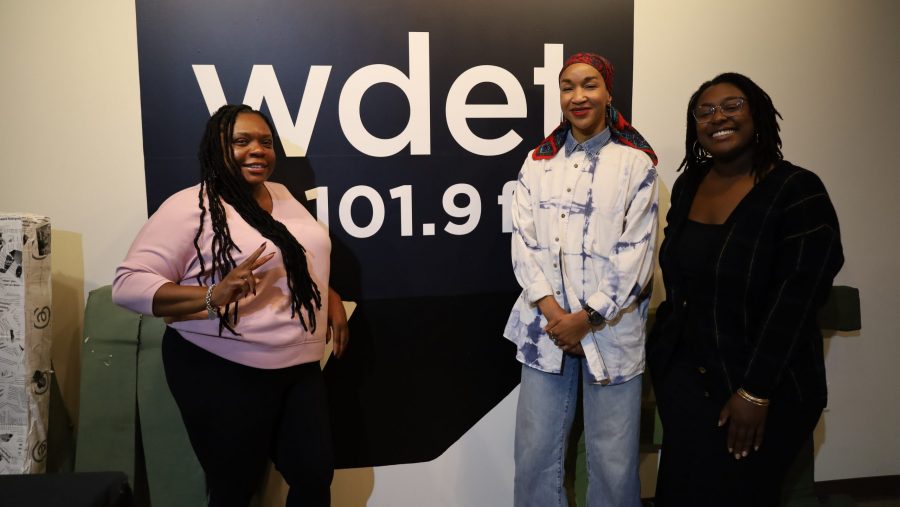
[[417, 133], [505, 201], [210, 87], [471, 211], [404, 193], [295, 135], [344, 209], [458, 111], [548, 77], [320, 195], [263, 85]]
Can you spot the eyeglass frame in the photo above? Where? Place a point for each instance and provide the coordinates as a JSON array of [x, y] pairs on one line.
[[741, 101]]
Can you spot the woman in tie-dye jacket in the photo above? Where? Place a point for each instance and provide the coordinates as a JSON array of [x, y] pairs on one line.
[[584, 227]]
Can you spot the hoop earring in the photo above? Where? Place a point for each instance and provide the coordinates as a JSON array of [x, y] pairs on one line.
[[699, 152]]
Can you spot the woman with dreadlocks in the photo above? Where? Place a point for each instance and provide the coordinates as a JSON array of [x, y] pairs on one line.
[[240, 270], [751, 248]]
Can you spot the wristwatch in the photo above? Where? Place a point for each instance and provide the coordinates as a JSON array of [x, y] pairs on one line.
[[594, 318]]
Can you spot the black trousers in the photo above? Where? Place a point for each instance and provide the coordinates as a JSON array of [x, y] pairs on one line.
[[695, 466], [238, 417]]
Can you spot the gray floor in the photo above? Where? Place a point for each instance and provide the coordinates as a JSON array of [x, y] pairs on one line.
[[864, 492], [883, 502]]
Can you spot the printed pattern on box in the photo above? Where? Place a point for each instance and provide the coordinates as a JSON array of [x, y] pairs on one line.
[[24, 342]]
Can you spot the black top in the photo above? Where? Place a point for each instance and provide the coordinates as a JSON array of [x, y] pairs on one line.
[[696, 254], [774, 269]]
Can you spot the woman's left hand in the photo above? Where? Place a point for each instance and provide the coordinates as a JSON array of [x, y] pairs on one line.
[[746, 425], [338, 330]]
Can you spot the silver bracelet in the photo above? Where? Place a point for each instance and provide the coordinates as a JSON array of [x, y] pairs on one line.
[[212, 313]]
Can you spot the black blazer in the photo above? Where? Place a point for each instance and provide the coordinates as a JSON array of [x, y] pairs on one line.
[[781, 252]]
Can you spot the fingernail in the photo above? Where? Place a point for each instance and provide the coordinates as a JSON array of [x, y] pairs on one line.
[[721, 422], [744, 454], [755, 447], [737, 456], [730, 450]]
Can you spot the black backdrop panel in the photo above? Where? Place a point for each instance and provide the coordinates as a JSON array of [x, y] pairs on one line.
[[427, 359]]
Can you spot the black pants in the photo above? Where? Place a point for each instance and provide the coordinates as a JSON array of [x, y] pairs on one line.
[[695, 467], [238, 417]]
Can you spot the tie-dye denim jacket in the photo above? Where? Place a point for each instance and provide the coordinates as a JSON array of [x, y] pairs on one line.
[[584, 231]]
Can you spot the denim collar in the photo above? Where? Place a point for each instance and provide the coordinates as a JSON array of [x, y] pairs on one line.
[[592, 146]]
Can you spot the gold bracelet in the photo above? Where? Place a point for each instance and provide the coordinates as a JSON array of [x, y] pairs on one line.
[[761, 402]]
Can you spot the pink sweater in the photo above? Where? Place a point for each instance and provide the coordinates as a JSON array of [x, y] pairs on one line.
[[164, 252]]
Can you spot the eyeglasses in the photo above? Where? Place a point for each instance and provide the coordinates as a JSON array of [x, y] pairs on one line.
[[731, 107]]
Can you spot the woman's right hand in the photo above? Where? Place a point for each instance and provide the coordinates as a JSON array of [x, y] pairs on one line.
[[240, 281]]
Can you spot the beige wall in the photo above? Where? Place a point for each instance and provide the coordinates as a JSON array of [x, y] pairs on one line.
[[72, 150], [71, 137]]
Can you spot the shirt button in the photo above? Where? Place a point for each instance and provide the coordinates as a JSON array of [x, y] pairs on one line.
[[576, 166], [554, 264], [701, 369], [568, 190], [555, 239], [563, 215], [557, 293]]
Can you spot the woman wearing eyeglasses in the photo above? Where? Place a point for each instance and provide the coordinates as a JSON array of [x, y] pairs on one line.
[[751, 248]]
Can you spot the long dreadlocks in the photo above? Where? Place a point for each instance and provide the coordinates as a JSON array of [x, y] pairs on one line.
[[221, 180], [766, 149]]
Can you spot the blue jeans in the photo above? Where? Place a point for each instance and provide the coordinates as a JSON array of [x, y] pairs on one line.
[[611, 428]]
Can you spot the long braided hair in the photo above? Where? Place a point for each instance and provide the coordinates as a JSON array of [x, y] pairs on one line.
[[767, 146], [221, 180]]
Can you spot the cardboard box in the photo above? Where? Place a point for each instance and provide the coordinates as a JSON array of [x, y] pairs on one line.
[[24, 342]]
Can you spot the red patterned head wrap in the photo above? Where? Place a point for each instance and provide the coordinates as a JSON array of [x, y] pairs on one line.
[[603, 66], [621, 130]]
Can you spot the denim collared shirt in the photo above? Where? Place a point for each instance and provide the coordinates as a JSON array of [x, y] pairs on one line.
[[592, 146], [584, 230]]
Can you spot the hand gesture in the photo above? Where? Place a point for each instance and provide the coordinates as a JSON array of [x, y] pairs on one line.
[[240, 281]]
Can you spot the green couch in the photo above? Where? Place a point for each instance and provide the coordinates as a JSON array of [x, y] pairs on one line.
[[128, 420]]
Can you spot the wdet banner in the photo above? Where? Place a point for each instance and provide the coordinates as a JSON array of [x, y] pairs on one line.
[[402, 125]]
